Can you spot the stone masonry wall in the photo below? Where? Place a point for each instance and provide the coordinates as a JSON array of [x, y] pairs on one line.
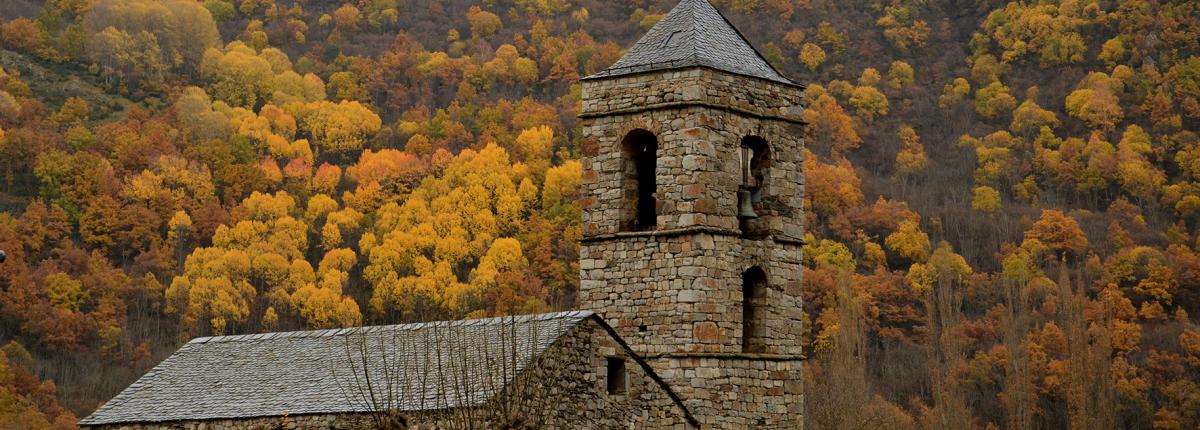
[[735, 393], [678, 288], [698, 170], [577, 367], [696, 85], [674, 292], [683, 294]]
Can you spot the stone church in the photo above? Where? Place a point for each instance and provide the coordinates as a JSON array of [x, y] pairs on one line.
[[690, 306]]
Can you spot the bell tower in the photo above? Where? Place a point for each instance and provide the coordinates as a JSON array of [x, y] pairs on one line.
[[692, 201]]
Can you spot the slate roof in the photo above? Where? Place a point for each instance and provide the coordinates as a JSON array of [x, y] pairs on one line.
[[694, 34], [319, 372]]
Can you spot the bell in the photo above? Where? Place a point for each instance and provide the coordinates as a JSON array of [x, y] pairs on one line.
[[745, 208]]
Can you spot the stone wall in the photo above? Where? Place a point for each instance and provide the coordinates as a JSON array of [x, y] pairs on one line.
[[603, 96], [698, 171], [738, 392], [674, 292], [578, 367], [683, 293]]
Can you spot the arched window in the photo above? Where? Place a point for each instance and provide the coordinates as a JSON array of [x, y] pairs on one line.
[[755, 165], [756, 149], [641, 207], [754, 296]]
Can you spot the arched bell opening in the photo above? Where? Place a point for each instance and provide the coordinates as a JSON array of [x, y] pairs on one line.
[[640, 210]]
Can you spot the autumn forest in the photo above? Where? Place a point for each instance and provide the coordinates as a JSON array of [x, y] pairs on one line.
[[1003, 198]]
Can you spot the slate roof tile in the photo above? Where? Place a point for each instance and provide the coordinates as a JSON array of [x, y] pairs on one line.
[[323, 371], [694, 34]]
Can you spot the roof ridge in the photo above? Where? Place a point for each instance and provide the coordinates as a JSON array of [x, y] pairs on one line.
[[406, 327]]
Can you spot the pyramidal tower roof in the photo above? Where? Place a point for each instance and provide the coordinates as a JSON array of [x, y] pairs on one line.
[[694, 34]]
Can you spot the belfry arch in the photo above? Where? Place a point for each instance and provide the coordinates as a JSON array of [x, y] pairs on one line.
[[640, 149], [754, 296]]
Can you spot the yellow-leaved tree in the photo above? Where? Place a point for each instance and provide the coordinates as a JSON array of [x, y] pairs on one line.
[[911, 158], [260, 255], [340, 128], [421, 250]]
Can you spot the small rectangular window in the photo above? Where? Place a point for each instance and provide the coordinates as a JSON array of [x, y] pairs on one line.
[[617, 381]]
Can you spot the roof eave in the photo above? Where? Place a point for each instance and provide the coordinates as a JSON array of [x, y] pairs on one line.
[[600, 76]]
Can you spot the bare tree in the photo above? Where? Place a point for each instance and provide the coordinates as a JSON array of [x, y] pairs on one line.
[[1090, 392], [946, 353], [451, 376], [838, 396], [1018, 395]]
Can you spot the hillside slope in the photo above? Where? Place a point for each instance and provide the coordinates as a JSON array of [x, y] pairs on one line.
[[1003, 197]]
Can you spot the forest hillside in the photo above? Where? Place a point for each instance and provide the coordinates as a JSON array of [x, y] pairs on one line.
[[1003, 197]]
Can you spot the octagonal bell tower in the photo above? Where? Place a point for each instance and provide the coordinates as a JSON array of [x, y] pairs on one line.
[[692, 200]]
